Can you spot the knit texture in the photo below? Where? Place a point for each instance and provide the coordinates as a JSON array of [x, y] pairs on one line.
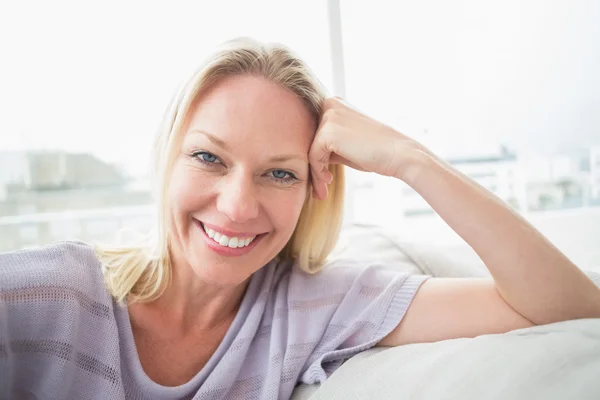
[[62, 336]]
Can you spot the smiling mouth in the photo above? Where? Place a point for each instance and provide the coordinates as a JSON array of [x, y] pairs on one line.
[[233, 242]]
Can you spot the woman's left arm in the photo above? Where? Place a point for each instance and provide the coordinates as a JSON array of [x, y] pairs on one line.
[[533, 282], [531, 274]]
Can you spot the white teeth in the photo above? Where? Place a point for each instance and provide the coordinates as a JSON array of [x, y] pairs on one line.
[[225, 241]]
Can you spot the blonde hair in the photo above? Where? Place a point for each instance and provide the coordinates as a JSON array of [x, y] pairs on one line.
[[141, 272]]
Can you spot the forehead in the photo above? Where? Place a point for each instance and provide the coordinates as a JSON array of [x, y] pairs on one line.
[[255, 110]]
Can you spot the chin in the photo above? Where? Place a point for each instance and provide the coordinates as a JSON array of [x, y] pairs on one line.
[[219, 271], [218, 275]]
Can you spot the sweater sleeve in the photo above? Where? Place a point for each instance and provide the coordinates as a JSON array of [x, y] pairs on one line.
[[56, 323], [6, 377], [345, 309]]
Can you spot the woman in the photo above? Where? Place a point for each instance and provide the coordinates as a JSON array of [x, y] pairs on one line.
[[229, 301]]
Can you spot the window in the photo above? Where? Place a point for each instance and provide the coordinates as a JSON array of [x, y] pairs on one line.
[[506, 90], [84, 86]]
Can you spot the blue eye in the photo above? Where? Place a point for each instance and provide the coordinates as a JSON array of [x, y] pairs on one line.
[[282, 177], [280, 174], [206, 157]]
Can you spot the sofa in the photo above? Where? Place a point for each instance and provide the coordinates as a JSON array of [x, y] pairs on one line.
[[555, 361]]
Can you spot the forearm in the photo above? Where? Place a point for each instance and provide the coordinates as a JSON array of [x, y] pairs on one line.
[[532, 275]]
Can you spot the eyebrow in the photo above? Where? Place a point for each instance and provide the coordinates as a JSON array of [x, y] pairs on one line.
[[211, 137], [223, 145]]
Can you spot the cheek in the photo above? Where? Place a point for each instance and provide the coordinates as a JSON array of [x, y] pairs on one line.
[[287, 208], [187, 188]]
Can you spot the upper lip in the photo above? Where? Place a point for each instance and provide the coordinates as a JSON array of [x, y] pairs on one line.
[[227, 232]]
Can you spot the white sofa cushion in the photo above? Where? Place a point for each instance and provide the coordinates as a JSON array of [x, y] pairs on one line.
[[555, 361]]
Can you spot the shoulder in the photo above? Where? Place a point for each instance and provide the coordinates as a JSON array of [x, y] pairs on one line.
[[345, 308], [344, 274], [71, 264], [351, 283], [57, 320]]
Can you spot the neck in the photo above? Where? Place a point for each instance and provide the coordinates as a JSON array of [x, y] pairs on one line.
[[190, 304]]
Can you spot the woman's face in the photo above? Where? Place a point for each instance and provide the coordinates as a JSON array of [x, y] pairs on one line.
[[240, 179]]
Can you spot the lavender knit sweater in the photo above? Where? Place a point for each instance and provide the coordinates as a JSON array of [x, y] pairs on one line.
[[63, 337]]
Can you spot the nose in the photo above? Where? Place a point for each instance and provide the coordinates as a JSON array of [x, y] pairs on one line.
[[237, 198]]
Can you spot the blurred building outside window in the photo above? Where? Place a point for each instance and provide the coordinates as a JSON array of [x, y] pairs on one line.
[[505, 96]]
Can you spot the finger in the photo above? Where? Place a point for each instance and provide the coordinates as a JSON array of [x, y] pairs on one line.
[[330, 102], [320, 192], [328, 176], [319, 160], [319, 187], [323, 120], [336, 159], [341, 100], [319, 153]]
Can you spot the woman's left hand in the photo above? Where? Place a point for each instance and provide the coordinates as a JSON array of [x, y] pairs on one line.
[[346, 136]]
